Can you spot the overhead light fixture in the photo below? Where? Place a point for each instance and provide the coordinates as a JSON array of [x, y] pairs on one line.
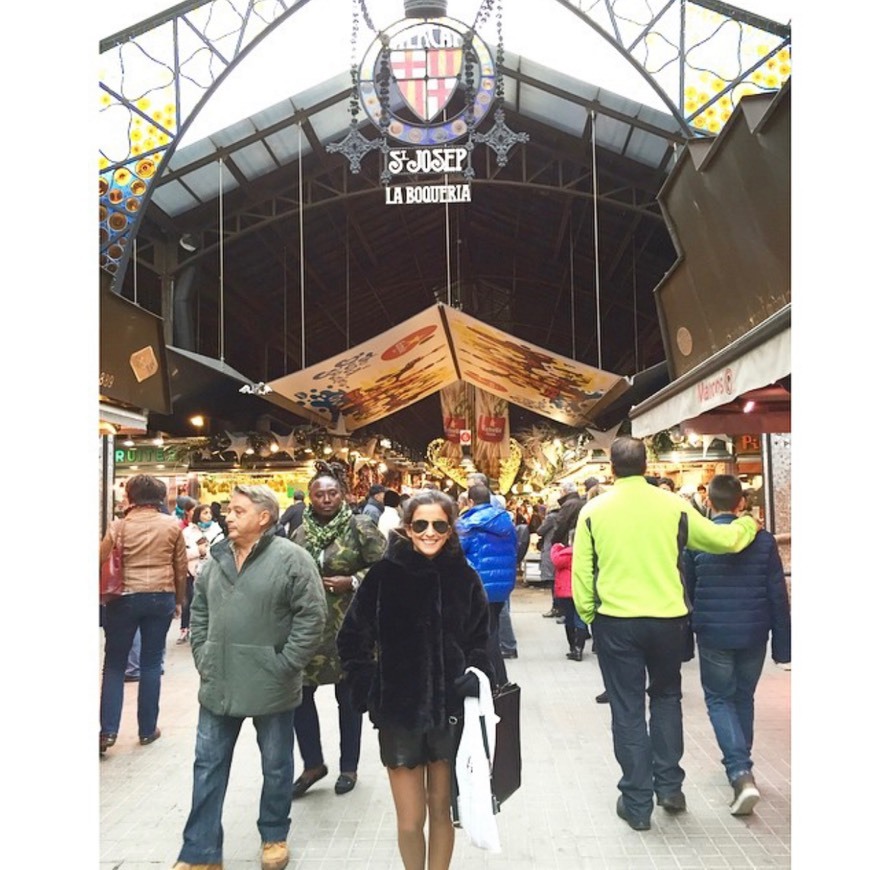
[[189, 242], [197, 420], [128, 443], [749, 406], [159, 442]]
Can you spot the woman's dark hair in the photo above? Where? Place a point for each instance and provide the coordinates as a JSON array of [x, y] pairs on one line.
[[196, 512], [434, 496], [337, 470], [144, 489], [566, 521]]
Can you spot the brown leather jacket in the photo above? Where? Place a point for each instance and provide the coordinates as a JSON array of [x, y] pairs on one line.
[[154, 552]]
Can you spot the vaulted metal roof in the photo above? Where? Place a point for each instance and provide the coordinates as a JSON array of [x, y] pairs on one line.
[[289, 257]]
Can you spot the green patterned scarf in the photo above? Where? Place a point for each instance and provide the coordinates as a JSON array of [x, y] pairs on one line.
[[318, 536]]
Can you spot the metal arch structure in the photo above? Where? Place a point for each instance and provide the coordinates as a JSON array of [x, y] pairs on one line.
[[635, 39], [126, 181], [192, 47]]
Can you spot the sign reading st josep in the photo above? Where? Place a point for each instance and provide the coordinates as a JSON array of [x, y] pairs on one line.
[[427, 84]]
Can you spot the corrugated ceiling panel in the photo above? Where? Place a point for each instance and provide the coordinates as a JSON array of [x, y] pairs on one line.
[[331, 125], [235, 133], [174, 199], [555, 79], [191, 153], [254, 160], [555, 111], [204, 182], [285, 144], [338, 84], [610, 133], [646, 148], [274, 114]]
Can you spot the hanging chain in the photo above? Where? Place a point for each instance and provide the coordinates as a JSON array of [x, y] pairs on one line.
[[365, 13], [499, 60], [354, 103]]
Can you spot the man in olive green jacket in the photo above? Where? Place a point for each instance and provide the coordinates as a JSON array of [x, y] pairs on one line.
[[627, 582], [258, 612]]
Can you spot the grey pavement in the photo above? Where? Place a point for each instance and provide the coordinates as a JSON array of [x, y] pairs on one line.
[[562, 818]]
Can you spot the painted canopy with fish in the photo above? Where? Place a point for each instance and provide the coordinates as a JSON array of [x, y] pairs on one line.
[[432, 350]]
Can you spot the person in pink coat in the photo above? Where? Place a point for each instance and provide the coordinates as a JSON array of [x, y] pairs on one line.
[[561, 550]]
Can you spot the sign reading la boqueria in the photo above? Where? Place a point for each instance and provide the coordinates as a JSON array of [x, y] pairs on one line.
[[427, 84], [426, 160]]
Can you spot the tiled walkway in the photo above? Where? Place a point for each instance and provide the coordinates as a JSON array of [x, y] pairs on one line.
[[562, 818]]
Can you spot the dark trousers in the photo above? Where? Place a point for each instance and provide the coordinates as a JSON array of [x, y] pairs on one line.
[[635, 655], [493, 645], [306, 726], [187, 604]]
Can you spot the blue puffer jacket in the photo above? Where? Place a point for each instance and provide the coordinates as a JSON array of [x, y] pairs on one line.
[[488, 538], [738, 598]]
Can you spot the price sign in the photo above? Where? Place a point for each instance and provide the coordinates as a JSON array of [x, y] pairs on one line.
[[466, 437]]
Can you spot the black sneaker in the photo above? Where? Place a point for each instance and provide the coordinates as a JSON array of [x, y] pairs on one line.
[[745, 795], [552, 613], [602, 698], [673, 803], [636, 824]]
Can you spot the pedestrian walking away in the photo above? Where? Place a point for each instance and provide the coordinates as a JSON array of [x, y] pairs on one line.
[[737, 599], [638, 609], [154, 565], [488, 538]]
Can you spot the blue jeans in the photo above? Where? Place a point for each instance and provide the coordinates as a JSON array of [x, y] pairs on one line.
[[132, 668], [729, 679], [152, 613], [506, 637], [630, 651], [307, 727], [214, 745]]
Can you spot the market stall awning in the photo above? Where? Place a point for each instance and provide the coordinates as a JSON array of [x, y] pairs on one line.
[[756, 361], [432, 350], [213, 389]]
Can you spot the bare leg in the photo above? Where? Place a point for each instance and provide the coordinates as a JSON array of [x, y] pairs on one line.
[[410, 801], [441, 833]]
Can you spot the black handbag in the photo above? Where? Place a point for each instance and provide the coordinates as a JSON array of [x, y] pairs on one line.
[[506, 768]]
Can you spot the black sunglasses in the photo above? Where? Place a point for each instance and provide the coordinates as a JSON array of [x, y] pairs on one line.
[[439, 526]]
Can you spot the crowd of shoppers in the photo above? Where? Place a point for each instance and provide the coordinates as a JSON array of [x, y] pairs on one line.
[[392, 605]]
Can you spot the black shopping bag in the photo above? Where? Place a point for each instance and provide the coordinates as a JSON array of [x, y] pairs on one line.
[[506, 768]]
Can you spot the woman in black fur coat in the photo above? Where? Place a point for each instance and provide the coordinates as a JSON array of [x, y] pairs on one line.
[[418, 620]]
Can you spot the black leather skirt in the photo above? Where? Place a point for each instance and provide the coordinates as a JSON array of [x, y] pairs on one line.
[[400, 748]]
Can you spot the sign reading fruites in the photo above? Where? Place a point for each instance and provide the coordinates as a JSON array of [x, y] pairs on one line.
[[438, 82]]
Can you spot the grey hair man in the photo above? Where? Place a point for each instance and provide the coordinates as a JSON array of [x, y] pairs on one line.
[[477, 478], [258, 612]]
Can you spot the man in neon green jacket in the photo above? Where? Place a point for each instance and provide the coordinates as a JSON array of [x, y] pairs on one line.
[[627, 583]]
